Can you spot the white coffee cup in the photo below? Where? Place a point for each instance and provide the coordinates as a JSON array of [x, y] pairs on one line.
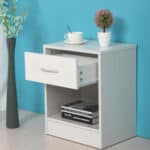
[[74, 37]]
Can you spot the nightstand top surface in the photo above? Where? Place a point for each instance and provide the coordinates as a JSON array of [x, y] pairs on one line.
[[90, 47]]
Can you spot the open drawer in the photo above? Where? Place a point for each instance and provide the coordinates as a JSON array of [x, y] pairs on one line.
[[65, 70]]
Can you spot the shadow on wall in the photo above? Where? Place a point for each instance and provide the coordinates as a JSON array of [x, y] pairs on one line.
[[119, 30]]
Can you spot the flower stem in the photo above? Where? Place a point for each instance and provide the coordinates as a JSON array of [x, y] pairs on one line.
[[104, 29]]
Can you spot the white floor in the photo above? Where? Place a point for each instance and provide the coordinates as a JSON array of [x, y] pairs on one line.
[[30, 136]]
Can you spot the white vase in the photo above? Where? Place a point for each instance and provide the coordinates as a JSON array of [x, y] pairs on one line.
[[3, 68], [104, 39]]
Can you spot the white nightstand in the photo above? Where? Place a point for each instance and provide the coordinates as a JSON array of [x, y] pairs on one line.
[[85, 72]]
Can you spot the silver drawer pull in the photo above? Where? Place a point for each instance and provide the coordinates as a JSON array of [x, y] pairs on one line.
[[49, 71]]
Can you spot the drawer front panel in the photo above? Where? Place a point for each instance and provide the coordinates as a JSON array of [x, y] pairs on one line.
[[51, 69], [76, 134]]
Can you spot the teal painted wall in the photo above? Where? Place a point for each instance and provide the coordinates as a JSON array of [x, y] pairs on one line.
[[47, 22]]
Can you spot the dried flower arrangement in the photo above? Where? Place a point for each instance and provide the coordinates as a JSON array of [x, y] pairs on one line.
[[104, 19], [10, 19]]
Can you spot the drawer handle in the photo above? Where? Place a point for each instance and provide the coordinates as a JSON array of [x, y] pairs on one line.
[[81, 72], [81, 79], [49, 71]]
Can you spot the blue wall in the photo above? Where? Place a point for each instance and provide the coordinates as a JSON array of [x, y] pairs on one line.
[[47, 22]]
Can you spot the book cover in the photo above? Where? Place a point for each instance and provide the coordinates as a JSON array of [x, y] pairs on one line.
[[80, 118], [81, 106], [79, 113]]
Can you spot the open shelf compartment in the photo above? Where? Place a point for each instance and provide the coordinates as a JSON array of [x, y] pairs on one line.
[[58, 96]]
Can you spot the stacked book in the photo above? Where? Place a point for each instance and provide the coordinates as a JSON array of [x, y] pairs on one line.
[[81, 111]]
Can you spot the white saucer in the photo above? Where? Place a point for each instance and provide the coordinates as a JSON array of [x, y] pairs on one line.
[[76, 43]]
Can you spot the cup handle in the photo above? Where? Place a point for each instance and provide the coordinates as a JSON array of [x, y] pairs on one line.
[[66, 37]]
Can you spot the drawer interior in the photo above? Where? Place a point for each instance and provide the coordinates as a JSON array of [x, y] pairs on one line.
[[81, 59], [68, 53]]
